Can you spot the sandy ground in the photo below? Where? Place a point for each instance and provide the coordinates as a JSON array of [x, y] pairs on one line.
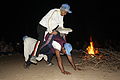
[[11, 68]]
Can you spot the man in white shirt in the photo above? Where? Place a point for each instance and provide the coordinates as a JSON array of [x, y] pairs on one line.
[[52, 20]]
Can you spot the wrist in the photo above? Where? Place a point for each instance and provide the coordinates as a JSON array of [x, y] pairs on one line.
[[75, 68], [62, 71]]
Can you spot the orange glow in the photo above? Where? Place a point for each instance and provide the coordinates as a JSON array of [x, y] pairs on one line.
[[90, 49]]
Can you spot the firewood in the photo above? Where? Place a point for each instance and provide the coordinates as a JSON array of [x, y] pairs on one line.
[[106, 59]]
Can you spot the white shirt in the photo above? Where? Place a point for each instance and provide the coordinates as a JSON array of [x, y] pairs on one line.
[[52, 19]]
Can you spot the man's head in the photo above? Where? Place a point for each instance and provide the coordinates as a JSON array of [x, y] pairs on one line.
[[24, 37], [68, 48], [65, 8]]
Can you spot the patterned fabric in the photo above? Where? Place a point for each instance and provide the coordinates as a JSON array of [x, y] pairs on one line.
[[48, 42]]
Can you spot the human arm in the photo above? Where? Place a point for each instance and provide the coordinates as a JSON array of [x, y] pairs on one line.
[[60, 63], [69, 56], [71, 61], [54, 32], [54, 21]]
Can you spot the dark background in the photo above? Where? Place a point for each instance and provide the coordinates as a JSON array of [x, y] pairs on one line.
[[97, 18]]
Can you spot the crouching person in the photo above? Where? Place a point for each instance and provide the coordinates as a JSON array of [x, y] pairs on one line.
[[29, 44], [53, 44], [66, 49], [61, 46]]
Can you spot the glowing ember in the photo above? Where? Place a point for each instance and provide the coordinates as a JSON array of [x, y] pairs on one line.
[[91, 50]]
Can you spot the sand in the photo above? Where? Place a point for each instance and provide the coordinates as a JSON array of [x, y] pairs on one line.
[[11, 68]]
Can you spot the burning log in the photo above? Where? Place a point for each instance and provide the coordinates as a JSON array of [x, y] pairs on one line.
[[91, 50]]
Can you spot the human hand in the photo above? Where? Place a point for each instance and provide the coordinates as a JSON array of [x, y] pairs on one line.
[[54, 33], [77, 69], [66, 73]]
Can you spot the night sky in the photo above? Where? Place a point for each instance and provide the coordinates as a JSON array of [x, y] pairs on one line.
[[97, 18]]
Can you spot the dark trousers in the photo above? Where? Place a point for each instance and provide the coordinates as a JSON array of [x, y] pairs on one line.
[[41, 32], [47, 51]]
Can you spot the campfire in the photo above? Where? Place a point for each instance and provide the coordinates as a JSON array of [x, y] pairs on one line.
[[91, 50], [99, 58]]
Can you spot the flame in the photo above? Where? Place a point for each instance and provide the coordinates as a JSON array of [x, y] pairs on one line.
[[90, 49]]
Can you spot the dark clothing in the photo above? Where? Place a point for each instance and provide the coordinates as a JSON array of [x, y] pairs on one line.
[[56, 38], [47, 50], [41, 32], [47, 47]]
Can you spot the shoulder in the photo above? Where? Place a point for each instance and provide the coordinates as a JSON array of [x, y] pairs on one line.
[[55, 10]]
